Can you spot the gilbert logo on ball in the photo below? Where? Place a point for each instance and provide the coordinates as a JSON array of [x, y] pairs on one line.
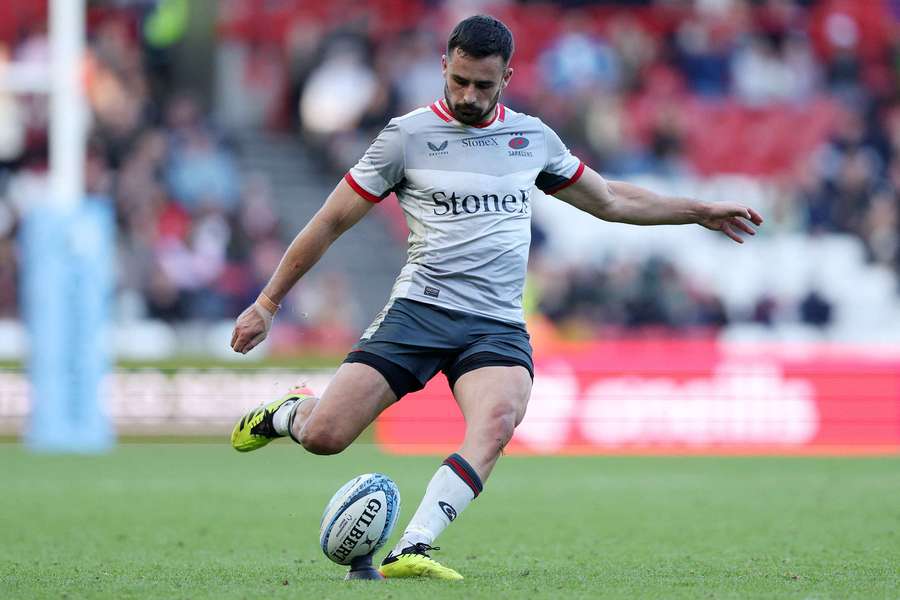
[[359, 518]]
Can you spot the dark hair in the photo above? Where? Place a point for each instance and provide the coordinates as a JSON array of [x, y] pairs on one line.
[[481, 36]]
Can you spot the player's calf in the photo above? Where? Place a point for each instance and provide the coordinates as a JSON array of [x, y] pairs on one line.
[[451, 489], [354, 398], [319, 438], [265, 423], [487, 438]]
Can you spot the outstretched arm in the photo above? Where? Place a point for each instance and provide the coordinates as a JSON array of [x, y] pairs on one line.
[[622, 202], [343, 209]]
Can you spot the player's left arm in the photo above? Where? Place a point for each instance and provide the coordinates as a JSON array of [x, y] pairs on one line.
[[622, 202]]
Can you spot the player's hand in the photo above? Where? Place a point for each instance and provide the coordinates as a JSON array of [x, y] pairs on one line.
[[731, 219], [252, 327]]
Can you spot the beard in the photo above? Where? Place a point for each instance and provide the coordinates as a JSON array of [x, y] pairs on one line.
[[469, 114]]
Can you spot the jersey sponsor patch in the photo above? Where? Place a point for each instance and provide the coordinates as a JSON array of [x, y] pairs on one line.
[[433, 292], [438, 149]]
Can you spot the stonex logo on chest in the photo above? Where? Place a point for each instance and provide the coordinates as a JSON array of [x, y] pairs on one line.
[[471, 204], [479, 142]]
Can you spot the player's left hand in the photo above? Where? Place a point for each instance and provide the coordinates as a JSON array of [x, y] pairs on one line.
[[731, 219]]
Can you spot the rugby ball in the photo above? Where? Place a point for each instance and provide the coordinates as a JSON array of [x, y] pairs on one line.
[[359, 518]]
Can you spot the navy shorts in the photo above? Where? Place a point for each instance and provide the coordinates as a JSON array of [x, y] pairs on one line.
[[416, 340]]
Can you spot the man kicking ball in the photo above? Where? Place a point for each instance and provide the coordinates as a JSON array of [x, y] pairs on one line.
[[463, 170]]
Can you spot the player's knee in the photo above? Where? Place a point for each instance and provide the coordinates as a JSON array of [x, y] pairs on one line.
[[502, 423], [321, 440]]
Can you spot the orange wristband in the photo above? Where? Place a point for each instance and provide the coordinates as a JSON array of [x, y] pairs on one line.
[[267, 303]]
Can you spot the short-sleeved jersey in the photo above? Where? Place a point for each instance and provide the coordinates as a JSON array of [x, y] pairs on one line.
[[466, 192]]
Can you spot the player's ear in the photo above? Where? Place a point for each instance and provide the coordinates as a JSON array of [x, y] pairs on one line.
[[506, 77], [444, 65]]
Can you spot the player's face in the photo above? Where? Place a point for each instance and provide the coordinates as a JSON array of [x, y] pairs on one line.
[[473, 85]]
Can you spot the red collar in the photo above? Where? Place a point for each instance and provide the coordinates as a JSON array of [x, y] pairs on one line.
[[441, 110]]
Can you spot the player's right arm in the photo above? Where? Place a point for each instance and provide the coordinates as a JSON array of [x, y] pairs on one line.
[[343, 209], [370, 180]]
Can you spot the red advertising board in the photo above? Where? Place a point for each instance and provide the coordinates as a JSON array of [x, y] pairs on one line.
[[684, 397]]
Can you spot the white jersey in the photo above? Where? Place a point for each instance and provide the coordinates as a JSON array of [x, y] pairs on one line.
[[466, 192]]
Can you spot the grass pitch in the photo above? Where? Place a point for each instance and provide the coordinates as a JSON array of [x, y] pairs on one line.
[[202, 521]]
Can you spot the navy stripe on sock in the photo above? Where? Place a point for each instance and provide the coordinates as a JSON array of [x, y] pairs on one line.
[[291, 420], [464, 470]]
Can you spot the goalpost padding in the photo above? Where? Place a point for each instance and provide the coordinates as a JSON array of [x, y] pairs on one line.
[[67, 286]]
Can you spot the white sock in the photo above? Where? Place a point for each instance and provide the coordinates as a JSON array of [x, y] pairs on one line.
[[281, 420], [448, 493]]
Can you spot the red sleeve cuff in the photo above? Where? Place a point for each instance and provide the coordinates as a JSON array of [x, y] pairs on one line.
[[360, 190], [575, 177]]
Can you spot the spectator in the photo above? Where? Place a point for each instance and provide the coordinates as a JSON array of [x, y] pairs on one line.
[[12, 119], [815, 310], [338, 90], [578, 60]]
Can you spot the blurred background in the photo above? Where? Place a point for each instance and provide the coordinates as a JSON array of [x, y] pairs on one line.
[[216, 129]]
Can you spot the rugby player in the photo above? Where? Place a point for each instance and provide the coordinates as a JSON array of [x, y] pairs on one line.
[[464, 170]]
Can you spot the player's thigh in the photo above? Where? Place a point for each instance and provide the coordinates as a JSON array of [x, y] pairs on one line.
[[355, 397], [491, 393]]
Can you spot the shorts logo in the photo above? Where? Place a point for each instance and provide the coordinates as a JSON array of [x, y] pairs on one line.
[[439, 149], [448, 510], [433, 292], [518, 143]]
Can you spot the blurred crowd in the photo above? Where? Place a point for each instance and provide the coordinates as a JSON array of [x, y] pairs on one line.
[[196, 236], [803, 93], [621, 296]]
